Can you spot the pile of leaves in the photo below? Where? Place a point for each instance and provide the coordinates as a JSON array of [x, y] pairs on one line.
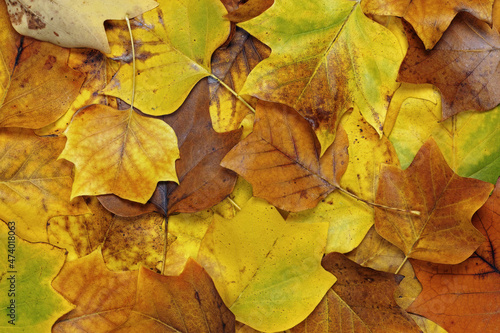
[[300, 166]]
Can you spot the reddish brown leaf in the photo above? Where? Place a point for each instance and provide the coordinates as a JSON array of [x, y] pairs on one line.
[[442, 233], [104, 299], [464, 65], [185, 303], [202, 181], [362, 300], [466, 297], [281, 159], [429, 18], [249, 10]]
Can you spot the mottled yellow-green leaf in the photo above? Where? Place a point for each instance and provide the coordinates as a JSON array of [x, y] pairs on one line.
[[120, 152], [267, 283], [174, 44], [28, 302], [34, 185], [469, 141], [349, 220], [326, 58]]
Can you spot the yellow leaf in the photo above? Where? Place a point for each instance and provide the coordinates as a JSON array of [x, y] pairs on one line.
[[70, 23], [34, 185], [120, 152], [173, 51], [268, 284]]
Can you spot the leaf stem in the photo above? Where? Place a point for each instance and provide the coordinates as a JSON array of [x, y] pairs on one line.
[[233, 92], [133, 63], [234, 203], [414, 212], [165, 247], [401, 266]]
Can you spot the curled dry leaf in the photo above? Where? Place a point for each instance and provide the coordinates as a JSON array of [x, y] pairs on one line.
[[442, 233], [169, 60], [120, 152], [69, 23], [464, 65], [249, 10], [36, 84], [101, 305], [362, 300], [465, 297], [281, 159], [325, 66], [428, 17], [34, 185], [185, 303]]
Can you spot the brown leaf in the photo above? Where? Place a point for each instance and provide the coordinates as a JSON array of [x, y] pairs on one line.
[[104, 299], [202, 181], [232, 65], [465, 297], [37, 85], [281, 159], [429, 18], [464, 65], [362, 300], [185, 303], [442, 233], [249, 10]]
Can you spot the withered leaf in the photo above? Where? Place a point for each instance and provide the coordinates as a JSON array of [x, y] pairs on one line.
[[36, 84], [362, 300], [281, 159], [465, 297], [104, 299], [442, 233], [428, 17], [72, 24], [185, 303], [202, 181], [464, 65]]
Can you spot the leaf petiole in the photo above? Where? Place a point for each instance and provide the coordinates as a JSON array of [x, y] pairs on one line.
[[133, 62], [233, 92]]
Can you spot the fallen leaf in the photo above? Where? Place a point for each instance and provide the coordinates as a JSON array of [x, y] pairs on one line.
[[469, 141], [34, 185], [201, 150], [29, 303], [36, 84], [232, 66], [173, 47], [463, 65], [70, 24], [249, 10], [349, 220], [324, 66], [281, 159], [185, 303], [429, 18], [442, 233], [362, 300], [464, 297], [426, 325], [377, 253], [254, 268], [104, 299], [120, 152]]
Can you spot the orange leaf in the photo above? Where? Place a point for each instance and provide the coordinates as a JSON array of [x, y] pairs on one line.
[[442, 233], [466, 297], [36, 84], [185, 303], [429, 18], [362, 300], [281, 159], [463, 65], [104, 299]]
